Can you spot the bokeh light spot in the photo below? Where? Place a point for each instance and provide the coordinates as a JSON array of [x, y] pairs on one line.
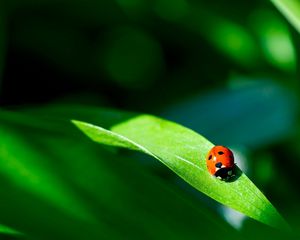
[[133, 58], [275, 39], [234, 41]]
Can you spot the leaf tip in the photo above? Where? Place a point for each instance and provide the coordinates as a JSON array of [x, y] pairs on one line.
[[77, 123]]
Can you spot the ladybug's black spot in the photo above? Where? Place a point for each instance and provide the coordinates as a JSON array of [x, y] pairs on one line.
[[218, 164], [220, 153], [210, 156]]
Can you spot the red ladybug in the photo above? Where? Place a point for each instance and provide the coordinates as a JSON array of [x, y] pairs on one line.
[[220, 162]]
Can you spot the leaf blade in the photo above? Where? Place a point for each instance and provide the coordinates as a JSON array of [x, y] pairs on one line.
[[291, 10], [184, 151]]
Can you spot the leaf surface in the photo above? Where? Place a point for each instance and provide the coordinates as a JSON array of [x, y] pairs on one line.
[[184, 152], [291, 10]]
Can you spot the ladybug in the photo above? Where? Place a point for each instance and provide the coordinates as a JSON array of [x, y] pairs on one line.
[[220, 162]]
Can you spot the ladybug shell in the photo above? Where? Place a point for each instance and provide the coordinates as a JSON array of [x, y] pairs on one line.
[[220, 162]]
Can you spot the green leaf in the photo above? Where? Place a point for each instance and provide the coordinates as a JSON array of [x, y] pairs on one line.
[[184, 152], [126, 192], [32, 189], [96, 178], [9, 231], [291, 10], [21, 164]]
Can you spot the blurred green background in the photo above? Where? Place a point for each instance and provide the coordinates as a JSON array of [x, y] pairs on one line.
[[226, 70]]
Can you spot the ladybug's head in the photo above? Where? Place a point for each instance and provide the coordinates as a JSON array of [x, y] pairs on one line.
[[224, 173]]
